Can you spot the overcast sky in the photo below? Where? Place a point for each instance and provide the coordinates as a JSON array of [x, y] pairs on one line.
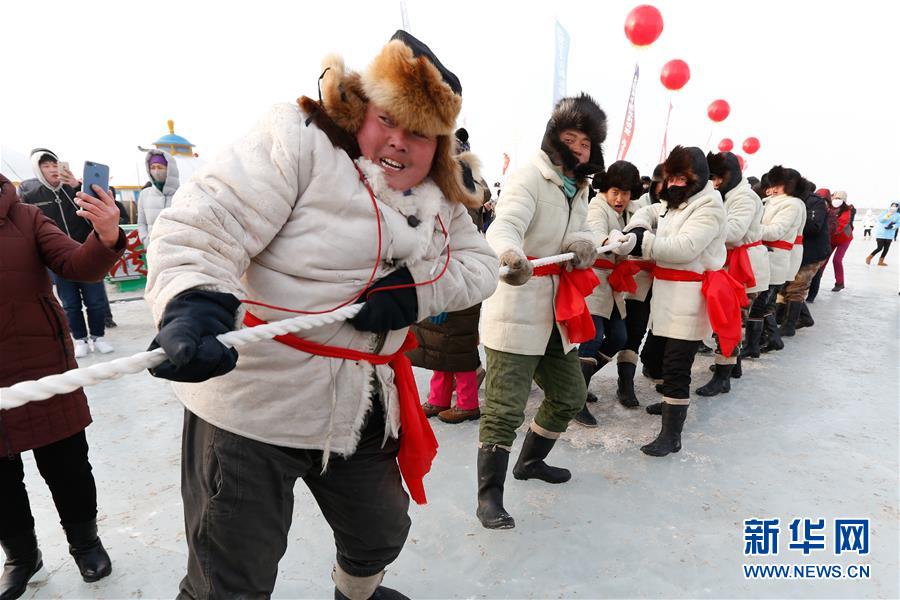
[[816, 82]]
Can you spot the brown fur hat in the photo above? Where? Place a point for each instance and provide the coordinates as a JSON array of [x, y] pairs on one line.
[[408, 81], [622, 175], [793, 182], [726, 166], [583, 114], [690, 162]]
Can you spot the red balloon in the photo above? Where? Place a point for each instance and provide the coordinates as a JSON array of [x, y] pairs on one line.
[[718, 110], [751, 145], [643, 25], [740, 161], [726, 145], [675, 74]]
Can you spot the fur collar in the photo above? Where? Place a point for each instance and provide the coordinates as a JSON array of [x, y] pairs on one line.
[[420, 204]]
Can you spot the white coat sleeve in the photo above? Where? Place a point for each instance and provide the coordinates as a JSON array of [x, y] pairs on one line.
[[512, 216], [472, 272], [782, 223], [143, 232], [739, 218], [229, 211], [694, 236], [598, 220]]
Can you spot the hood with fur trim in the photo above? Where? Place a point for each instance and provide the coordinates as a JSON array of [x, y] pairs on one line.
[[793, 182], [408, 81], [726, 166], [622, 175], [583, 114], [690, 162]]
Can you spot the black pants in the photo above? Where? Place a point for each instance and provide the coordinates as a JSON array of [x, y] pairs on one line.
[[672, 359], [64, 466], [881, 246], [637, 315], [239, 498]]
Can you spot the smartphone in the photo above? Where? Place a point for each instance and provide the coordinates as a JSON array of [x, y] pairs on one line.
[[64, 167], [95, 174]]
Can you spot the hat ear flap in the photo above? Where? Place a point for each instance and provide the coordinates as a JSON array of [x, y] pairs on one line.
[[447, 174], [342, 94]]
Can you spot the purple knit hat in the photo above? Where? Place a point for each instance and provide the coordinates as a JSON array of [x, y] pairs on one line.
[[158, 159]]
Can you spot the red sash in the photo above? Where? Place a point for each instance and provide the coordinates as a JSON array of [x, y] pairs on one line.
[[780, 244], [571, 310], [724, 299], [798, 240], [737, 262], [418, 446], [622, 277]]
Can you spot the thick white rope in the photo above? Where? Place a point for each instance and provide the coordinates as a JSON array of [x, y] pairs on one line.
[[560, 258], [63, 383], [46, 387]]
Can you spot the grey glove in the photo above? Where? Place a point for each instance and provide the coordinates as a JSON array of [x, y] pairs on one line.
[[520, 268], [629, 241], [585, 255]]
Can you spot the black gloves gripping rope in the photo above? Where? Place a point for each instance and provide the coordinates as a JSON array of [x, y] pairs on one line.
[[390, 309]]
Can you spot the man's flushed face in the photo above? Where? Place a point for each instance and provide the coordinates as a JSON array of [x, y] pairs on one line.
[[717, 181], [775, 190], [404, 156], [50, 171], [578, 143], [676, 180], [618, 199]]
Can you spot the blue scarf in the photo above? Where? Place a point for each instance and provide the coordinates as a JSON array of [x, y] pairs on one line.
[[569, 187]]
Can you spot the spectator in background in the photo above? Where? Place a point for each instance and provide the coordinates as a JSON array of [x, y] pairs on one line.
[[163, 172], [885, 233], [55, 196], [868, 224]]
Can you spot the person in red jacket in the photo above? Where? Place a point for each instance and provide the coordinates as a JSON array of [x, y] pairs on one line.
[[844, 213], [34, 343]]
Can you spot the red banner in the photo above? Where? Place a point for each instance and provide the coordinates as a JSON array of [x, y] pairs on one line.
[[628, 125]]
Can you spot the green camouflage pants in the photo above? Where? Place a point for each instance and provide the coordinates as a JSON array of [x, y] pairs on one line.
[[508, 386]]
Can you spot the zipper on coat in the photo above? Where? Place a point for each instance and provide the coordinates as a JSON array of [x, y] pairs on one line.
[[62, 213]]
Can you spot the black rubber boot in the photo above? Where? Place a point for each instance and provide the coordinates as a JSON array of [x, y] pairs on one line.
[[492, 463], [669, 438], [720, 382], [736, 372], [380, 593], [754, 333], [805, 319], [655, 408], [585, 418], [87, 550], [588, 368], [789, 327], [646, 373], [531, 463], [774, 342], [625, 389], [780, 312], [23, 561], [659, 388]]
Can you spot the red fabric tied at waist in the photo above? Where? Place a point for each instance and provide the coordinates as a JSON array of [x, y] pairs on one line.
[[737, 261], [571, 310], [724, 299], [418, 446], [622, 277], [780, 244], [798, 240]]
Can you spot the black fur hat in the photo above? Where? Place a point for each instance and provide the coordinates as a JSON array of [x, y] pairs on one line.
[[583, 114], [726, 166], [793, 182], [690, 162], [622, 175]]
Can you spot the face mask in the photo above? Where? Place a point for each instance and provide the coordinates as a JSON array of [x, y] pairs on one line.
[[892, 209], [674, 195], [158, 175], [837, 203]]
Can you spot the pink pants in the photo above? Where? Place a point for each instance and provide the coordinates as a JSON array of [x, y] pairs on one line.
[[466, 389], [838, 263]]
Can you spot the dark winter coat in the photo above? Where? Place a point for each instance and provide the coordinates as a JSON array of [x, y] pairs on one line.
[[59, 205], [816, 237], [450, 347], [34, 334]]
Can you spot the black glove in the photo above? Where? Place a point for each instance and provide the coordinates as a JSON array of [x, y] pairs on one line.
[[391, 309], [187, 333], [639, 234]]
